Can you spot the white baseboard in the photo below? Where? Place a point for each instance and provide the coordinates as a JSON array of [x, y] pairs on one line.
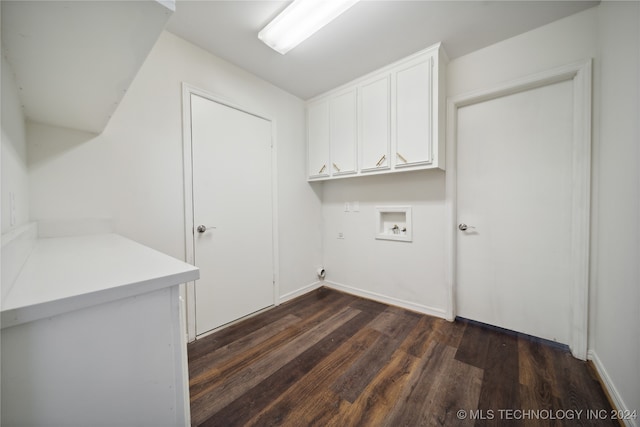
[[611, 388], [431, 311], [298, 292]]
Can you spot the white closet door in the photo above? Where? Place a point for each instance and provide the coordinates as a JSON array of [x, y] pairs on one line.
[[232, 199], [515, 189]]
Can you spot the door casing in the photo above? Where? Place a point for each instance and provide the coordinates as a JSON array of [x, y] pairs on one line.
[[580, 74], [188, 289]]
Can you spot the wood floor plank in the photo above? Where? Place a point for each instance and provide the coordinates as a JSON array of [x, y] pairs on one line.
[[579, 390], [531, 402], [368, 305], [394, 328], [458, 388], [223, 393], [301, 307], [500, 385], [315, 406], [245, 343], [393, 323], [420, 337], [415, 401], [381, 396], [536, 381], [500, 388], [332, 359], [206, 381], [311, 365], [473, 346], [357, 377], [448, 333]]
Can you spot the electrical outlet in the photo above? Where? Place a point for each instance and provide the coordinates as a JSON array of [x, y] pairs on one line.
[[340, 235]]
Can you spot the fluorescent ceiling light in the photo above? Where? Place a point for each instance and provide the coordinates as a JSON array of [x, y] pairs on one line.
[[300, 20]]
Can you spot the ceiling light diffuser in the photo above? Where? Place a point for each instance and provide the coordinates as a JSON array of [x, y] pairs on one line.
[[300, 20]]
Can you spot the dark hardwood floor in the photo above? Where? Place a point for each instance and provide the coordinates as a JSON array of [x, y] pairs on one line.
[[331, 359]]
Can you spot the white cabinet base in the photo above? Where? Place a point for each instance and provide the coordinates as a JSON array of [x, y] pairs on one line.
[[118, 363]]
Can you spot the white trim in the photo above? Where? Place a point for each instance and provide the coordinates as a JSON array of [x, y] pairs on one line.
[[181, 357], [611, 388], [299, 292], [274, 215], [580, 74], [189, 292], [431, 311]]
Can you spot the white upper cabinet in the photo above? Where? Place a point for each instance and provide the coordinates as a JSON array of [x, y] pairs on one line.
[[343, 133], [332, 136], [413, 114], [375, 124], [318, 139], [399, 121]]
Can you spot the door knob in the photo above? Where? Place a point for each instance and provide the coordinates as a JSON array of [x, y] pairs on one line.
[[465, 227], [202, 228]]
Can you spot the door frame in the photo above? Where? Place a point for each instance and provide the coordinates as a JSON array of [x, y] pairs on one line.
[[188, 289], [580, 74]]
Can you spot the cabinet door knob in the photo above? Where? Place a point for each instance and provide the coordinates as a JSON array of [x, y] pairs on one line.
[[465, 227], [401, 157], [384, 156], [322, 168], [202, 228], [336, 167]]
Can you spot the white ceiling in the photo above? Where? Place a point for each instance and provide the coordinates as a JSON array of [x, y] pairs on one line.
[[371, 34]]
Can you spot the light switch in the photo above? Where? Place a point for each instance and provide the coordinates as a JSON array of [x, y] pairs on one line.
[[346, 206], [355, 206]]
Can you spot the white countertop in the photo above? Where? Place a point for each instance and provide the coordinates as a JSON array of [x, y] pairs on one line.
[[68, 273]]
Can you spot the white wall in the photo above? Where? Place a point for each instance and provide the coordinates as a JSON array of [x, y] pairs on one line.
[[133, 171], [65, 182], [135, 167], [609, 34], [409, 274], [420, 279], [616, 277], [14, 153], [562, 42]]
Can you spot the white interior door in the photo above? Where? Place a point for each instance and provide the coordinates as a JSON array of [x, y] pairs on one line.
[[514, 186], [232, 199]]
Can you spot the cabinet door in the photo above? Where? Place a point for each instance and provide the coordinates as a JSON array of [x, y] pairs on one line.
[[413, 114], [343, 133], [318, 139], [375, 127]]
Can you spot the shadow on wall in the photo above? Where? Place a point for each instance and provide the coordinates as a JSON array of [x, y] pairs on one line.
[[404, 187], [46, 142]]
